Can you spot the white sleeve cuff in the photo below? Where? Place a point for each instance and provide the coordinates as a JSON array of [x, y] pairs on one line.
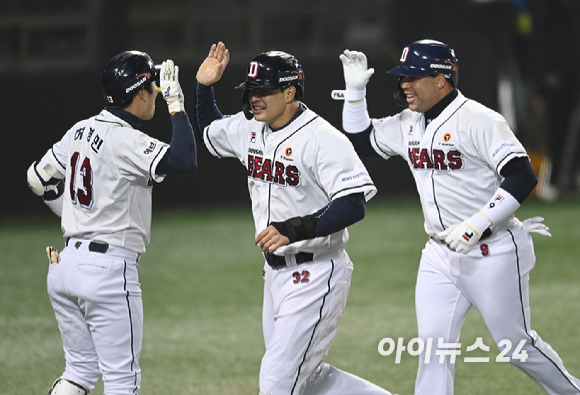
[[56, 204], [355, 117]]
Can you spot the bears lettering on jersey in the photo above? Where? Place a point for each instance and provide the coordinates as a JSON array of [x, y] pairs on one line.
[[438, 160], [276, 173]]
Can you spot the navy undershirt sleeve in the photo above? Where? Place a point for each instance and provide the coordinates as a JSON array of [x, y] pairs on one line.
[[519, 178], [339, 214], [206, 109], [181, 157], [362, 142]]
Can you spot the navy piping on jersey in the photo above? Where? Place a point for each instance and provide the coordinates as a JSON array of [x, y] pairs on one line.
[[433, 171], [526, 329], [56, 159], [374, 136], [346, 189], [130, 320], [314, 329], [212, 146], [274, 155], [112, 123], [509, 157], [153, 161]]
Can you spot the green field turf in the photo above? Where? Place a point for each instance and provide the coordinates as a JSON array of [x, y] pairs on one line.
[[202, 291]]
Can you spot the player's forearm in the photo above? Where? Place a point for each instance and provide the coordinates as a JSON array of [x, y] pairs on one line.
[[519, 182], [355, 116], [337, 215], [181, 157], [340, 214], [206, 109], [357, 125]]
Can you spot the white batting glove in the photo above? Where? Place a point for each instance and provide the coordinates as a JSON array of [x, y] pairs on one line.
[[356, 71], [462, 237], [52, 254], [535, 225], [170, 88]]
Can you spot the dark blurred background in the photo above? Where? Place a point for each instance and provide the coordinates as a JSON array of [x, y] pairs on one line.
[[519, 57]]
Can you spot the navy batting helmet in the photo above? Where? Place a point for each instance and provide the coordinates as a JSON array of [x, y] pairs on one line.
[[271, 71], [126, 74], [426, 57]]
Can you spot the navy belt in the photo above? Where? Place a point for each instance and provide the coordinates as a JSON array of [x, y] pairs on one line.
[[98, 247], [276, 261], [94, 246]]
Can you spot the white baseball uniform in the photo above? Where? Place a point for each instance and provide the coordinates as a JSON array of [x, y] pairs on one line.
[[109, 170], [456, 160], [296, 171]]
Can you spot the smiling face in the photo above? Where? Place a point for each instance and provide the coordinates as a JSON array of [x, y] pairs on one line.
[[275, 107], [423, 92]]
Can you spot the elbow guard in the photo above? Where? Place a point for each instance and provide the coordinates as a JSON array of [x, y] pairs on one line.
[[42, 181]]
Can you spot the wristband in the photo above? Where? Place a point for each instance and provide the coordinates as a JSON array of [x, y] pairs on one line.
[[499, 207], [355, 95], [176, 106]]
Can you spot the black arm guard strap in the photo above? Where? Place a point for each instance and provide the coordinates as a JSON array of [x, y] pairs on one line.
[[297, 228]]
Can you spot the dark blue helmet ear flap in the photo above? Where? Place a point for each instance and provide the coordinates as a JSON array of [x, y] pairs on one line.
[[426, 57], [271, 71], [400, 97], [125, 75]]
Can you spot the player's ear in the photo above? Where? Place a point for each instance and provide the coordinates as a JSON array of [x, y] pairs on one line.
[[290, 93], [143, 94]]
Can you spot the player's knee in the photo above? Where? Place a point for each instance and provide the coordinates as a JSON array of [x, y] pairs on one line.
[[66, 387]]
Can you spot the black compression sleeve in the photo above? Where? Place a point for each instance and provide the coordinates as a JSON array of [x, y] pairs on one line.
[[181, 157], [337, 215], [340, 214], [362, 142], [206, 109], [519, 178]]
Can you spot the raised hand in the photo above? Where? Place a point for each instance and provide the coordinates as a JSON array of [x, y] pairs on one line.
[[213, 66]]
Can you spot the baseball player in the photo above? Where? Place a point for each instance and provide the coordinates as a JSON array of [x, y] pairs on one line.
[[307, 185], [472, 174], [99, 178]]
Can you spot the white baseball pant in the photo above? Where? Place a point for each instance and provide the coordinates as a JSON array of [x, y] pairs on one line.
[[97, 302], [497, 285], [303, 306]]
